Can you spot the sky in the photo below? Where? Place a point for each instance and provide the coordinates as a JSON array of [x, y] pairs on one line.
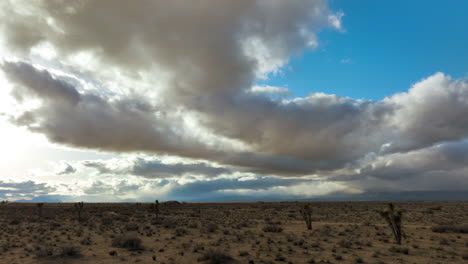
[[118, 101]]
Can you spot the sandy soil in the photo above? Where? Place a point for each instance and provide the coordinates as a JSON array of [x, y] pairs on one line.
[[257, 232]]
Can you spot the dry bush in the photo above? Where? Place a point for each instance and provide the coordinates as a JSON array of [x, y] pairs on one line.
[[273, 229], [216, 257], [107, 221], [463, 229], [131, 226], [402, 250], [42, 252], [70, 252], [129, 241]]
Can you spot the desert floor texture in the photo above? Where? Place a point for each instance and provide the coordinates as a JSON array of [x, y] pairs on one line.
[[254, 232]]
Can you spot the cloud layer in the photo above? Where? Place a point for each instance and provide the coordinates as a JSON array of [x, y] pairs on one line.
[[178, 78]]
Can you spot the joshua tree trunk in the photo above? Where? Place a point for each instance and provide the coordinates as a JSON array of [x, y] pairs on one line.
[[39, 209], [79, 207], [306, 213], [393, 219], [155, 207]]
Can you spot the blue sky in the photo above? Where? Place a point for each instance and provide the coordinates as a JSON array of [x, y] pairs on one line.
[[386, 47]]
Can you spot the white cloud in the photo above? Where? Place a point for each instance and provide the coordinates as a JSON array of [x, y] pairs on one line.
[[268, 89], [345, 61]]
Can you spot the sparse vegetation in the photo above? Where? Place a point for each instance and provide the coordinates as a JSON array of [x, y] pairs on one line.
[[267, 232]]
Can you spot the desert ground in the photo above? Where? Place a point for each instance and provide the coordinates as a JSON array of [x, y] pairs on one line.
[[254, 232]]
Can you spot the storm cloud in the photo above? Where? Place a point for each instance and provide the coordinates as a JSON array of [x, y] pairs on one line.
[[19, 190]]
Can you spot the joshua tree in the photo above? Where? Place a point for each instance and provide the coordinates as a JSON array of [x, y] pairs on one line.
[[78, 208], [155, 208], [39, 209], [306, 213], [393, 218]]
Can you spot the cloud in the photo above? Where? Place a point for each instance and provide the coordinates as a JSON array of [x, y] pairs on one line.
[[155, 168], [89, 120], [177, 78], [432, 111], [67, 170], [441, 167], [345, 61], [329, 131], [16, 190], [151, 168], [98, 165], [267, 89]]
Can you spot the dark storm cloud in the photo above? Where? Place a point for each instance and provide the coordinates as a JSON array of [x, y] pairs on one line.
[[155, 169], [151, 168], [96, 121], [15, 190], [209, 190], [212, 53]]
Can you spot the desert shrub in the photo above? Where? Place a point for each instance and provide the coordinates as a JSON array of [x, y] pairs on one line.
[[180, 232], [121, 217], [192, 224], [70, 252], [402, 250], [129, 241], [198, 247], [435, 208], [86, 241], [358, 260], [280, 257], [165, 222], [216, 257], [131, 227], [107, 221], [16, 221], [43, 252], [345, 243], [465, 256], [273, 229], [211, 227], [450, 229]]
